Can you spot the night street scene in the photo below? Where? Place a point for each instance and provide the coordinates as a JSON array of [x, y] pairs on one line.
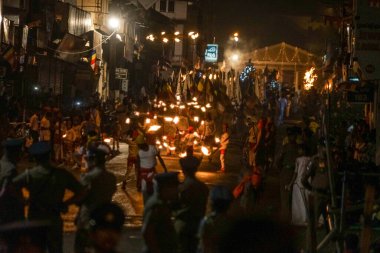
[[190, 126]]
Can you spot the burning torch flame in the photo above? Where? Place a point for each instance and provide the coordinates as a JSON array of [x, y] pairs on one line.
[[205, 151], [309, 78], [154, 128]]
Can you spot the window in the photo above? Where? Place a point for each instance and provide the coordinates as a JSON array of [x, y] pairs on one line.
[[171, 6], [163, 6]]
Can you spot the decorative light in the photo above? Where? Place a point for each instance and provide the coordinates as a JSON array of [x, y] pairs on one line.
[[196, 119], [163, 33], [150, 37], [155, 117], [172, 148], [177, 40], [164, 137], [246, 72], [203, 109], [184, 154], [64, 136], [168, 119], [158, 142], [202, 122], [107, 140], [191, 33], [208, 106], [165, 40], [127, 121], [172, 106], [181, 107], [235, 57], [176, 120], [137, 113], [147, 120], [236, 34], [176, 33], [217, 140], [195, 142]]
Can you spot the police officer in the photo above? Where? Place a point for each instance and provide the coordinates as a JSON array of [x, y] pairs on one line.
[[46, 185], [100, 185], [106, 223], [316, 181], [158, 230], [11, 206], [193, 195]]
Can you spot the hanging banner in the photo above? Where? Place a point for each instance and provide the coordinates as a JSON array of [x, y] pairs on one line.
[[367, 38], [147, 3]]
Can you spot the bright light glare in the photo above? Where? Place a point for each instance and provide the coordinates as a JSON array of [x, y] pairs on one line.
[[168, 119], [147, 120], [154, 128], [205, 151], [176, 120], [177, 40], [217, 140], [127, 121], [107, 140], [236, 39], [165, 40], [176, 33], [235, 57], [113, 22]]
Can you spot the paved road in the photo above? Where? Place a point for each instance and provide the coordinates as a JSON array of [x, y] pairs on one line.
[[131, 200]]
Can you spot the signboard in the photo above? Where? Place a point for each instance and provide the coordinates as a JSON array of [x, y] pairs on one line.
[[211, 54], [367, 38], [121, 73], [359, 97], [124, 85]]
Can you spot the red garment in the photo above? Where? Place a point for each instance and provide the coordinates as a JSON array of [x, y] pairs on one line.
[[147, 175]]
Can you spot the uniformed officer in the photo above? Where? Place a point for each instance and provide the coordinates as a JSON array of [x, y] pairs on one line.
[[11, 206], [24, 236], [46, 185], [193, 195], [100, 185], [158, 230], [106, 223], [316, 181]]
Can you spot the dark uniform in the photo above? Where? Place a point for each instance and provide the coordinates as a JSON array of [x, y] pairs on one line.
[[106, 223], [11, 204], [316, 180], [47, 185], [158, 230], [101, 186], [193, 196]]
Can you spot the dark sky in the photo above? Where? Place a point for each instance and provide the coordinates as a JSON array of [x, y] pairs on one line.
[[266, 22]]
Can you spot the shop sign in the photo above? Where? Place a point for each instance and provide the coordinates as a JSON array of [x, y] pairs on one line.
[[367, 38], [211, 54]]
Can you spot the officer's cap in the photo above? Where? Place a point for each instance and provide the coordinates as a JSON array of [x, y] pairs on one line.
[[40, 148], [99, 149], [12, 143], [107, 216], [167, 178]]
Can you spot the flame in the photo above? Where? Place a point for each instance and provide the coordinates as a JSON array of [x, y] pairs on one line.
[[183, 154], [64, 136], [172, 148], [154, 128], [205, 151], [203, 109], [217, 140], [309, 78]]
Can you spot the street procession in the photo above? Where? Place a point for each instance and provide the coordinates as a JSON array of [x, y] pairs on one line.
[[189, 126]]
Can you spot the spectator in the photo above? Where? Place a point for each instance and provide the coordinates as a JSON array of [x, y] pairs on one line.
[[158, 230], [193, 195]]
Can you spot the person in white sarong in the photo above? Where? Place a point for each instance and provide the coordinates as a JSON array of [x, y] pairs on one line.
[[299, 194]]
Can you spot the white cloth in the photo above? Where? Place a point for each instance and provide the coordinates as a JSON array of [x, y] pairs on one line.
[[148, 158], [299, 193]]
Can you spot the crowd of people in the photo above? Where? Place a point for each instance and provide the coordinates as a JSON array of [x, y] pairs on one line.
[[175, 217]]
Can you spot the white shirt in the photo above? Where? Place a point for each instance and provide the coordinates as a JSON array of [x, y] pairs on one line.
[[148, 158]]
